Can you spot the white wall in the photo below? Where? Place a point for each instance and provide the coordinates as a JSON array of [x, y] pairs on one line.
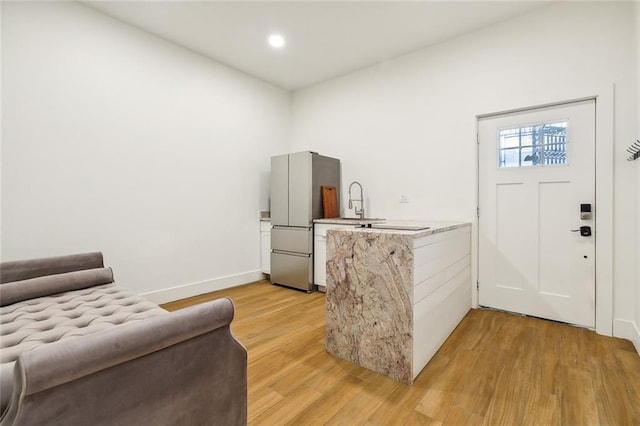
[[408, 126], [118, 141], [636, 331]]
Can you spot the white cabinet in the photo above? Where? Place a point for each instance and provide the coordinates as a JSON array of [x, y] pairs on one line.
[[320, 252], [265, 246], [441, 291], [320, 261]]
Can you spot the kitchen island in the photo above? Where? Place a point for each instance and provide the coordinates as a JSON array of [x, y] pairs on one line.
[[394, 295]]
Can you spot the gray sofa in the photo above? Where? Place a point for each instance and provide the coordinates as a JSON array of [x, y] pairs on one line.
[[77, 349]]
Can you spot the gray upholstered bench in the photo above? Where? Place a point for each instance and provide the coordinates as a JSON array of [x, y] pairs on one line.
[[75, 348]]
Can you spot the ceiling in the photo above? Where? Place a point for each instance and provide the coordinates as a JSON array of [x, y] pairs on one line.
[[324, 39]]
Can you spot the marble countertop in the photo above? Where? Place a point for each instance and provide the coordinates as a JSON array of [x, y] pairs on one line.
[[434, 227], [348, 221]]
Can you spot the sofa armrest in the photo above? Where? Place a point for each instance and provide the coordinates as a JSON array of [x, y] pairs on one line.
[[181, 368], [24, 269]]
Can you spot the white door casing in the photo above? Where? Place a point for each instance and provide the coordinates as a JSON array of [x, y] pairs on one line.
[[529, 260]]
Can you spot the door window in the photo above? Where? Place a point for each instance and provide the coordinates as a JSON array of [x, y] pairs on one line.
[[536, 145]]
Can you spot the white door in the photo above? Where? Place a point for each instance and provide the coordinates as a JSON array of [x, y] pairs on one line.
[[536, 168]]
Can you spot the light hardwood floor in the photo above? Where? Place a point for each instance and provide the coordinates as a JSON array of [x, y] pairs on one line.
[[495, 369]]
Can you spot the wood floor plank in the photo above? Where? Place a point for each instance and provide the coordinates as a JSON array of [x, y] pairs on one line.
[[629, 363], [496, 368], [398, 406], [327, 405], [418, 419], [439, 398], [478, 389], [542, 408], [261, 400], [266, 371], [401, 402], [610, 394], [459, 416], [577, 400], [290, 381], [287, 408], [508, 402], [367, 401], [325, 378]]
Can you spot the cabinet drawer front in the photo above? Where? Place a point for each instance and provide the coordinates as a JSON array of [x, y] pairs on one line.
[[292, 270], [297, 240], [433, 258]]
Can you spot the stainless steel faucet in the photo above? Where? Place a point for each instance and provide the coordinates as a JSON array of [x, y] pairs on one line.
[[351, 200]]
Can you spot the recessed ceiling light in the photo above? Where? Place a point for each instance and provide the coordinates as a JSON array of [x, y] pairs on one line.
[[276, 40]]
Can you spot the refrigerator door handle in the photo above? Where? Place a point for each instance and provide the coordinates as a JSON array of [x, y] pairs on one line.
[[291, 253]]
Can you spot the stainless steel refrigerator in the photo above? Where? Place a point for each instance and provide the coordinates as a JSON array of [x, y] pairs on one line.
[[296, 199]]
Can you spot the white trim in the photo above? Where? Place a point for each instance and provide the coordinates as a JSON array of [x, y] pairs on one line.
[[536, 107], [194, 289], [604, 96], [627, 330], [475, 232], [604, 210]]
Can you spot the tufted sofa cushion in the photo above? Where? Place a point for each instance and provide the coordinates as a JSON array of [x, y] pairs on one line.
[[35, 322]]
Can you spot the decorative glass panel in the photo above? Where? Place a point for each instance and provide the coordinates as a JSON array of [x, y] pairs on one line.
[[510, 157], [510, 138], [537, 145]]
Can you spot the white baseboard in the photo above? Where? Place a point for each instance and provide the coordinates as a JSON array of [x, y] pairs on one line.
[[627, 330], [195, 289]]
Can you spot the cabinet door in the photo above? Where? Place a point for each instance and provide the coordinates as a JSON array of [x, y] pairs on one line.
[[265, 251], [320, 260]]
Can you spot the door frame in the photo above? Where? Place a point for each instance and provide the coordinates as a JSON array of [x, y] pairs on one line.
[[604, 121]]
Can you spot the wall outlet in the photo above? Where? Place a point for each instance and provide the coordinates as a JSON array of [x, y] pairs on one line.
[[404, 198]]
